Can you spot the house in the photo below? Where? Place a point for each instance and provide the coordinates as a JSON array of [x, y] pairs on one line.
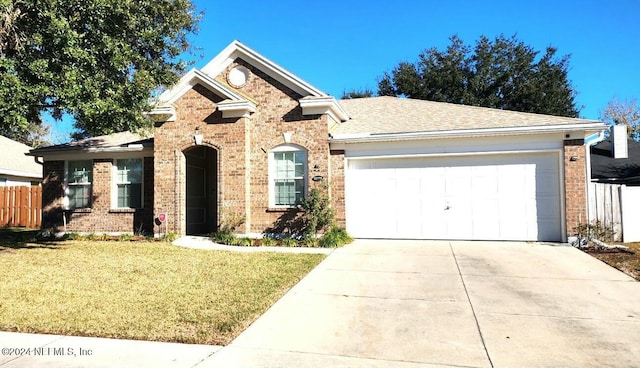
[[245, 138], [614, 191], [616, 166], [16, 168]]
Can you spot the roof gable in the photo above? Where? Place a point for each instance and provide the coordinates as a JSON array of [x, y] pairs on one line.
[[313, 101]]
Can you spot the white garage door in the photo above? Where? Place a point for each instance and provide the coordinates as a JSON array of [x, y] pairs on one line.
[[480, 197]]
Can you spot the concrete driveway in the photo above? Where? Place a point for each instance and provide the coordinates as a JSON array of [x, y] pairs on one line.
[[448, 304]]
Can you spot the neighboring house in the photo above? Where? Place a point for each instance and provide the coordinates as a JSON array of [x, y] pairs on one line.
[[624, 169], [243, 137], [615, 184], [16, 168]]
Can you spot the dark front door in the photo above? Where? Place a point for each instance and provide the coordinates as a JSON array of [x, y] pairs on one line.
[[201, 200]]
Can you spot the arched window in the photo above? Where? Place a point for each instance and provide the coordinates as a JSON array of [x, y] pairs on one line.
[[287, 175]]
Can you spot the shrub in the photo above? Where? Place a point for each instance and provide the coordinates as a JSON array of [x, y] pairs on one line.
[[595, 230], [318, 214], [125, 237], [223, 238], [289, 242], [72, 236], [335, 237], [231, 222], [244, 242], [170, 236], [268, 241], [311, 241]]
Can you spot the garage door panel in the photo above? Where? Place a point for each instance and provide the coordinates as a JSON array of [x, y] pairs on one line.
[[484, 197]]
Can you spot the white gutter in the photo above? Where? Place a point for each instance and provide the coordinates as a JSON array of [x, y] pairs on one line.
[[368, 137]]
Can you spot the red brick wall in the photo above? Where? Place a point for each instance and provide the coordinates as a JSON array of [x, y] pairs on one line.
[[337, 186], [243, 147], [100, 218], [52, 195], [575, 183]]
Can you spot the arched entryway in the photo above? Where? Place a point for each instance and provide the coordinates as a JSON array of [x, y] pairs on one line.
[[201, 190]]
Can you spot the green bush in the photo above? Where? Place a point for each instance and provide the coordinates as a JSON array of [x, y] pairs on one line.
[[222, 237], [268, 242], [244, 242], [289, 242], [72, 236], [318, 214], [335, 237], [311, 241], [170, 236]]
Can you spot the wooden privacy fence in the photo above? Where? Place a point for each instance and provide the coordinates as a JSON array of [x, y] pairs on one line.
[[618, 208], [21, 206]]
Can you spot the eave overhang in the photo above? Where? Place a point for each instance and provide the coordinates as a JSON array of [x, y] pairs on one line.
[[585, 130]]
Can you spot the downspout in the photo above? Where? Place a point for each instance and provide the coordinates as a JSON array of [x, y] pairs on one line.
[[590, 143]]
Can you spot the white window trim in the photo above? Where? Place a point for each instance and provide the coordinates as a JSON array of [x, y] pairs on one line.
[[272, 172], [114, 184], [65, 200]]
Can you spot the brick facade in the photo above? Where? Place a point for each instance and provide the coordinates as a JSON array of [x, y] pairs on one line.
[[575, 184], [243, 146], [101, 217]]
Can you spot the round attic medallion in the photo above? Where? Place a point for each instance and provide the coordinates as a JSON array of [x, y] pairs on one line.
[[238, 76]]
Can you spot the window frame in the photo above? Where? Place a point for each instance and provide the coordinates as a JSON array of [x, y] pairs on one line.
[[68, 185], [273, 173], [116, 183]]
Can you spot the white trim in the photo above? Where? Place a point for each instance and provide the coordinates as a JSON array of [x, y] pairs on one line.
[[114, 183], [65, 200], [453, 154], [323, 105], [236, 109], [368, 137], [237, 49], [289, 147], [21, 173]]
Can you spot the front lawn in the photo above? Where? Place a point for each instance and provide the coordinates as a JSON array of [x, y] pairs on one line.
[[141, 290]]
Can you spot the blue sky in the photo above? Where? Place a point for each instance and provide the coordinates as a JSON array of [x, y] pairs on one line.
[[339, 45]]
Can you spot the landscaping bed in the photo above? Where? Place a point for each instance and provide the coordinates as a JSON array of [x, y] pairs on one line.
[[140, 290], [627, 261]]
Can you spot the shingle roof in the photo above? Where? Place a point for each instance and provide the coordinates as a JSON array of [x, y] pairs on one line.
[[606, 169], [387, 115], [13, 160], [111, 142]]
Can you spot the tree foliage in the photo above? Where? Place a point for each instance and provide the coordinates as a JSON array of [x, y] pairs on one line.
[[348, 95], [503, 73], [96, 60], [626, 112]]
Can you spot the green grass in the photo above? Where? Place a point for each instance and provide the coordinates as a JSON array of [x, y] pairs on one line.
[[141, 290]]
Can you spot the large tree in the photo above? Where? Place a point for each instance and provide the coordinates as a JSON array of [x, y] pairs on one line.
[[96, 60], [503, 73], [625, 112]]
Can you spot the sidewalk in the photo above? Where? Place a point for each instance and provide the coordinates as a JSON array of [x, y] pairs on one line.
[[39, 351]]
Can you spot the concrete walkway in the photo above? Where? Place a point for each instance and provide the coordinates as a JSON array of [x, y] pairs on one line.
[[414, 304]]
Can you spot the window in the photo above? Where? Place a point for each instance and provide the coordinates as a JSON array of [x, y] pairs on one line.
[[288, 173], [129, 183], [3, 182], [79, 179]]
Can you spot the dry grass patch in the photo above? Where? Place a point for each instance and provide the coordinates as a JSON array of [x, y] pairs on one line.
[[627, 262], [141, 290]]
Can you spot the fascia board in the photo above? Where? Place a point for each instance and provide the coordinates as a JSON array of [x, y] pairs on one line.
[[367, 137], [189, 80], [25, 174]]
